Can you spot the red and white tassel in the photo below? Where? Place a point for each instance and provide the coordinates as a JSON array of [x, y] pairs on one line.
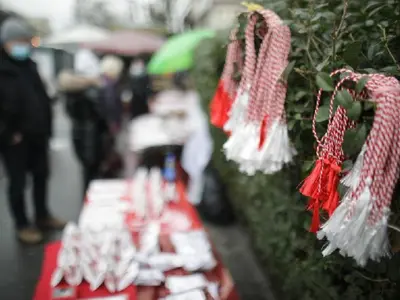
[[355, 236], [220, 105], [255, 144], [358, 227]]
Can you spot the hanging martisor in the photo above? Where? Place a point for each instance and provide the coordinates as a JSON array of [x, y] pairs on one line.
[[358, 225], [321, 186], [227, 86], [259, 139]]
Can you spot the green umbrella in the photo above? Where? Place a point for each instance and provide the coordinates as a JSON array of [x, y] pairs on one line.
[[177, 53]]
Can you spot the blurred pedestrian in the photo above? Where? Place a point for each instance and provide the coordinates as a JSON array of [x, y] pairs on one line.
[[26, 115], [111, 68], [89, 126], [140, 88]]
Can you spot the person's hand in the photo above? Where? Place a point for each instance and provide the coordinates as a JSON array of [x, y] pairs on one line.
[[16, 139]]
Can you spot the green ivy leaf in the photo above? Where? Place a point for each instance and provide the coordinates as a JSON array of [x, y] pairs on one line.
[[354, 112], [354, 139], [361, 84], [352, 54], [391, 70], [299, 95], [345, 99], [323, 64], [323, 113], [300, 108], [324, 81], [291, 124], [288, 70]]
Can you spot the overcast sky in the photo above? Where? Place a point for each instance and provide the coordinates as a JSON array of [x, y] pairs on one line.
[[59, 12]]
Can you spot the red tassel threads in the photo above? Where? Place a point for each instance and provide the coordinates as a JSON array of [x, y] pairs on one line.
[[220, 106], [321, 187]]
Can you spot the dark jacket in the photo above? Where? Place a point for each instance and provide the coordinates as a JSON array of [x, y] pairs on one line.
[[141, 90], [110, 101], [25, 107], [89, 126]]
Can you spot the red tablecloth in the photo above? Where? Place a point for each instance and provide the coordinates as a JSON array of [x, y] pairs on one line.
[[44, 291]]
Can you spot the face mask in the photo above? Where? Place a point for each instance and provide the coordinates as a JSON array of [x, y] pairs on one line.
[[21, 51]]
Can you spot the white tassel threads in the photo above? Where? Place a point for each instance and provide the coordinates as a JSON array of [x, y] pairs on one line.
[[243, 148], [353, 234], [277, 149]]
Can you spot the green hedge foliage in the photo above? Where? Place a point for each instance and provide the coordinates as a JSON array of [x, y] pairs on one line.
[[326, 35]]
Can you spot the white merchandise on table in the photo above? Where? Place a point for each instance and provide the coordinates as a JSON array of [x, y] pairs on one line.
[[97, 257], [194, 249], [108, 185], [185, 283], [97, 218], [139, 193], [107, 193], [165, 261], [149, 277], [191, 295], [149, 240], [213, 290]]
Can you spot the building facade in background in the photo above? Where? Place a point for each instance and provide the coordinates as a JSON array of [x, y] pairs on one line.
[[223, 14]]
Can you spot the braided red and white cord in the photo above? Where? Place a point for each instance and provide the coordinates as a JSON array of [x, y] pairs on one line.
[[358, 227], [227, 86], [259, 107]]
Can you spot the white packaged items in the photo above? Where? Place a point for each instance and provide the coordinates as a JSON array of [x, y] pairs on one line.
[[213, 290], [149, 277], [182, 284], [149, 240], [128, 277], [139, 193], [191, 295], [165, 261], [193, 263], [116, 186], [68, 258], [192, 242], [194, 249], [99, 218], [105, 257], [107, 192]]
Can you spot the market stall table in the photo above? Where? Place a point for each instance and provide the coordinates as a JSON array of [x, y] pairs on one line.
[[174, 211]]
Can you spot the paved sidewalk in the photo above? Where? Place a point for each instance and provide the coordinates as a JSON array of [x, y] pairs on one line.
[[233, 244]]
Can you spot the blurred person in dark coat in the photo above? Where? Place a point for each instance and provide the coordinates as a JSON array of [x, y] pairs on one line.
[[25, 129], [93, 104], [111, 68], [89, 125], [140, 88]]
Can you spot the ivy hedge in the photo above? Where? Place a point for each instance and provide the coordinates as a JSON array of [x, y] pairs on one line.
[[326, 35]]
